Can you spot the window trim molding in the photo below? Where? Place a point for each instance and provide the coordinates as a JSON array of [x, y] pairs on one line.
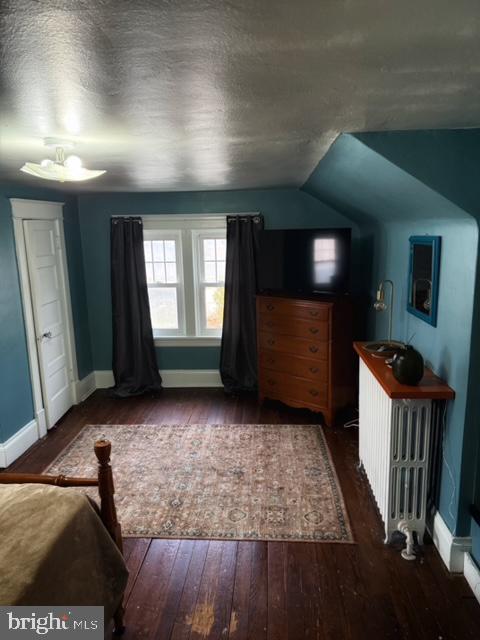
[[188, 341], [181, 223], [209, 219]]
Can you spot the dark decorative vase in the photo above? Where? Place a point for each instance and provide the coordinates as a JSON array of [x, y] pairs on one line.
[[407, 365]]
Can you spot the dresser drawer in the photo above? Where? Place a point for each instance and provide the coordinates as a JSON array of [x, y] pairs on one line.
[[305, 392], [295, 346], [294, 308], [292, 326], [295, 366]]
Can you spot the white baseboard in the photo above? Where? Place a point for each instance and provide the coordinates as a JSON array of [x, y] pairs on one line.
[[41, 422], [18, 443], [31, 432], [103, 379], [85, 387], [452, 549], [191, 378], [172, 378], [472, 575]]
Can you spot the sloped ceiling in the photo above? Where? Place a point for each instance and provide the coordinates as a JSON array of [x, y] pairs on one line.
[[368, 187], [190, 95], [446, 161]]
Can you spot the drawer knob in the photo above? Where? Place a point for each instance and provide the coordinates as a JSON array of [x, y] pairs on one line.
[[313, 349], [269, 323], [314, 369], [313, 392], [270, 307], [313, 313], [271, 382], [271, 360], [313, 329], [271, 341]]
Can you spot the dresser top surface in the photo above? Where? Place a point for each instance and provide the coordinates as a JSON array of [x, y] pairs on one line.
[[430, 387], [323, 298]]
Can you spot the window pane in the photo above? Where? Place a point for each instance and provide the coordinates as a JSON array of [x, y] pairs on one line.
[[324, 249], [210, 271], [163, 307], [221, 248], [209, 249], [170, 251], [171, 268], [159, 272], [149, 270], [220, 271], [214, 307], [147, 248], [158, 254]]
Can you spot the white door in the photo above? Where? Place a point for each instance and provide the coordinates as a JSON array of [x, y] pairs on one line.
[[42, 244]]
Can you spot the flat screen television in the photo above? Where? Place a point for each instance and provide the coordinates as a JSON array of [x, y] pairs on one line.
[[304, 261]]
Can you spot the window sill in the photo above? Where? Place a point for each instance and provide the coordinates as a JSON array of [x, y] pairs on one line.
[[188, 341]]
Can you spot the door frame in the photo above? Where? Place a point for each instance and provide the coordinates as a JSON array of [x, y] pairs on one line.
[[23, 209]]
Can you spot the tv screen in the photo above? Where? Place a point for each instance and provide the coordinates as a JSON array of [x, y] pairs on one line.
[[304, 261]]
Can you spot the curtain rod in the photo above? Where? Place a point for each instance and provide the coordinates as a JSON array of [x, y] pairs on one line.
[[185, 215], [117, 218]]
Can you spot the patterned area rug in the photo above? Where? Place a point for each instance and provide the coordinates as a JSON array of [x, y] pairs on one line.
[[239, 482]]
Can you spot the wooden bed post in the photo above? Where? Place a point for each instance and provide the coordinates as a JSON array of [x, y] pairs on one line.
[[108, 511], [106, 490]]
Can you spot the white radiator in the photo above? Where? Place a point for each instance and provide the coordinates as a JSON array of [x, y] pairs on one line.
[[394, 438]]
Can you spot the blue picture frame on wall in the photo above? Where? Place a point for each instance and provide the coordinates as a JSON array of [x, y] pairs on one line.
[[423, 277]]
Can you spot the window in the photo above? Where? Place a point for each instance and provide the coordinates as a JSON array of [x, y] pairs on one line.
[[324, 260], [165, 291], [210, 249], [185, 266]]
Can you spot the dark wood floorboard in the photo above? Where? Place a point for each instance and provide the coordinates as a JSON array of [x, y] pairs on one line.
[[200, 589]]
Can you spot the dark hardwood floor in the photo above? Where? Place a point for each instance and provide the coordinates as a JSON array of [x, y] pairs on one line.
[[191, 589]]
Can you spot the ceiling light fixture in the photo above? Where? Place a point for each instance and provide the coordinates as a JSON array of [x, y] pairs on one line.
[[62, 169]]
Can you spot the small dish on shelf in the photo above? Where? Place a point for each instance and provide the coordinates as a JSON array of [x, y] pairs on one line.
[[383, 349]]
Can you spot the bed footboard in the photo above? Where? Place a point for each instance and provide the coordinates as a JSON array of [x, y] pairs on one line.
[[106, 490]]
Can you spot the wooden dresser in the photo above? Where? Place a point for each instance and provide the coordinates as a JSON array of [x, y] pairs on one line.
[[305, 355]]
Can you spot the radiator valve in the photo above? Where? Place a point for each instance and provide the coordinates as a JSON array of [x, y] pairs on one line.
[[404, 527]]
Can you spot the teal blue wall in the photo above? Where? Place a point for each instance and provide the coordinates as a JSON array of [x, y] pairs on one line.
[[16, 404], [281, 208], [395, 185], [447, 161], [370, 189], [446, 347]]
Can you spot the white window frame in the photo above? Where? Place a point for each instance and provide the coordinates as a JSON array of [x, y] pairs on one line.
[[186, 224], [170, 234], [200, 284]]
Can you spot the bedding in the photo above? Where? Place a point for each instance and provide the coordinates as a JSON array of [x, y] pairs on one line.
[[55, 550]]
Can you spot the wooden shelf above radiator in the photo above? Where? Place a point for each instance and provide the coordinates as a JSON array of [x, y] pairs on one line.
[[430, 387]]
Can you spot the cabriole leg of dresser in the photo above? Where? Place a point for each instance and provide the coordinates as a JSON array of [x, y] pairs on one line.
[[328, 418]]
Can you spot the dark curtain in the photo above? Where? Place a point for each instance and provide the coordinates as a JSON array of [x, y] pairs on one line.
[[134, 363], [238, 357]]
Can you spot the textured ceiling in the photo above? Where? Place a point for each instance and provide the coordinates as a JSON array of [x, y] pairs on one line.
[[193, 95]]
